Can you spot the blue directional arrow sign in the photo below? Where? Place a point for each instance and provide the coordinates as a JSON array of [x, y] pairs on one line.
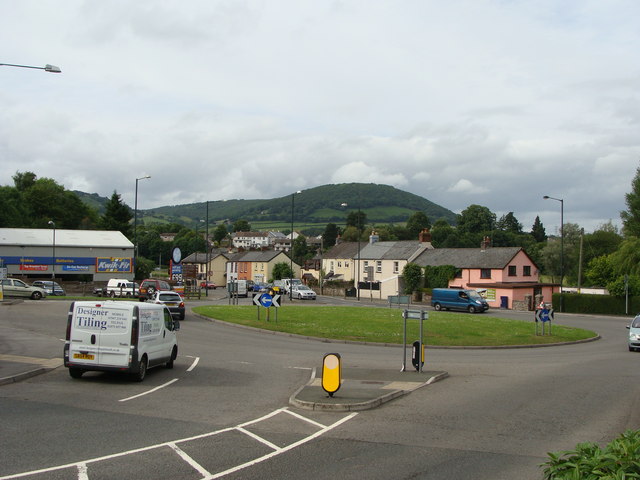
[[266, 300]]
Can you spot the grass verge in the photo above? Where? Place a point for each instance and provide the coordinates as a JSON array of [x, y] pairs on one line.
[[385, 325]]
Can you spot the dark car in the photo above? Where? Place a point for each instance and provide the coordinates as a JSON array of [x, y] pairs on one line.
[[150, 286], [49, 286], [172, 300]]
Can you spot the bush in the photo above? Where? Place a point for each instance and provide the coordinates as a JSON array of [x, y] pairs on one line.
[[620, 459], [596, 304]]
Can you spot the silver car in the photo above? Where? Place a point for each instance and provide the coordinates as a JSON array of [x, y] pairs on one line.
[[49, 286], [302, 292], [13, 287]]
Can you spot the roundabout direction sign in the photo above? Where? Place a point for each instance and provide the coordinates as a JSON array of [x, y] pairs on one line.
[[266, 300]]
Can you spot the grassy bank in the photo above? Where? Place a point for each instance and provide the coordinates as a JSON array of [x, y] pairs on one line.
[[385, 325]]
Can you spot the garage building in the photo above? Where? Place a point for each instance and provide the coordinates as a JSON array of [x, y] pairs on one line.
[[37, 253]]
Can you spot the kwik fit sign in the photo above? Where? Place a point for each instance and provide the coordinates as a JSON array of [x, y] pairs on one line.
[[113, 265]]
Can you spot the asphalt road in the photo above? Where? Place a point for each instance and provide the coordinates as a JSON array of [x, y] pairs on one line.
[[223, 410]]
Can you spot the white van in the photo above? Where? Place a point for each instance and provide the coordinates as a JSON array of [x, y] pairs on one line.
[[121, 287], [115, 336]]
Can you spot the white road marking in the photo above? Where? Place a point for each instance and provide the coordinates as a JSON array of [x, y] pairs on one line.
[[193, 365], [83, 465], [149, 391]]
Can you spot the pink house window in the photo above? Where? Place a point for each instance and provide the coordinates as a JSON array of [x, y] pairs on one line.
[[526, 270], [512, 271], [485, 273]]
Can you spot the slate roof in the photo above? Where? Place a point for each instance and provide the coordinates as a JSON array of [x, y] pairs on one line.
[[493, 257], [342, 250], [398, 250], [256, 256]]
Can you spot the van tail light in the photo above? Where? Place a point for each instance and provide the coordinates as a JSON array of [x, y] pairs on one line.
[[69, 320]]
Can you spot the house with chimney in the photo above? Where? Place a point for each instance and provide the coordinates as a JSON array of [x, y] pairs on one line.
[[506, 276]]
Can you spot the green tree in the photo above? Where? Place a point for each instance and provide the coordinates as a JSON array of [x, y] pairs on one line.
[[24, 181], [412, 274], [46, 200], [357, 218], [476, 219], [282, 270], [220, 233], [509, 223], [631, 216], [626, 260], [416, 223], [537, 230], [12, 213], [330, 235], [117, 216], [600, 271], [241, 226], [439, 276], [300, 250]]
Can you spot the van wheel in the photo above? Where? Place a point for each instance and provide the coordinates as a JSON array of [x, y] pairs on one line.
[[142, 370], [174, 355], [472, 309], [75, 372], [437, 306]]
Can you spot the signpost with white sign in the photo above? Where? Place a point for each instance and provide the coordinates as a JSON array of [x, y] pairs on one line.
[[267, 301], [418, 346]]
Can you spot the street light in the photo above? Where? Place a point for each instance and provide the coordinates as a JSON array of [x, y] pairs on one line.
[[135, 225], [291, 250], [53, 253], [46, 68], [547, 197], [358, 262]]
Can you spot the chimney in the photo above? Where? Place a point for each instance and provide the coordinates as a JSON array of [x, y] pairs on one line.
[[486, 243], [373, 238], [424, 236]]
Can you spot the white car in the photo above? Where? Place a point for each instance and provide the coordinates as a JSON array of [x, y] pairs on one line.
[[302, 292]]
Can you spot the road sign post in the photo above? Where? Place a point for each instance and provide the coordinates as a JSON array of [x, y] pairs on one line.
[[418, 346], [267, 301], [544, 315]]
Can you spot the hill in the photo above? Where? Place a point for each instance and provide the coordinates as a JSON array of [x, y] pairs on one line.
[[315, 206]]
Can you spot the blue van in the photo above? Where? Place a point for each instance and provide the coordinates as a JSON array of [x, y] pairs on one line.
[[457, 299]]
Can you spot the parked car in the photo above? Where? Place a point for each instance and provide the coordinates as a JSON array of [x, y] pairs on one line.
[[13, 287], [302, 292], [172, 300], [208, 285], [100, 291], [150, 286], [121, 287], [260, 287], [634, 334], [49, 286]]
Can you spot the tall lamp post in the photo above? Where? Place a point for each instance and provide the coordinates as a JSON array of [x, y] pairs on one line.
[[53, 253], [358, 257], [291, 249], [547, 197], [135, 224], [46, 68]]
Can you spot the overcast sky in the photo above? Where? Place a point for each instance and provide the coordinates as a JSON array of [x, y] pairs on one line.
[[488, 102]]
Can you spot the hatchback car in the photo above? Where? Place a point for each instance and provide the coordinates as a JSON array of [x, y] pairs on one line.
[[172, 300], [634, 334], [49, 286], [14, 287], [302, 292]]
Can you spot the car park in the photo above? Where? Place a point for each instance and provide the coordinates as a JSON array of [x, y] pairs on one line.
[[302, 292], [150, 286], [172, 300], [49, 286], [14, 287]]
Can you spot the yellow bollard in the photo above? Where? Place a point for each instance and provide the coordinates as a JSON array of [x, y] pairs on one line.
[[331, 373]]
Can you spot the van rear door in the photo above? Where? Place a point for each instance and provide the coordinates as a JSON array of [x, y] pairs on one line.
[[100, 334]]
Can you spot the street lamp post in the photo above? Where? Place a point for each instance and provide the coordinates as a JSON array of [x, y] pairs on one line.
[[547, 197], [53, 253], [135, 224], [358, 257], [291, 249], [46, 68]]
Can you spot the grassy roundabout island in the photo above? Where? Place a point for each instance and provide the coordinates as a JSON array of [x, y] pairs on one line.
[[385, 325]]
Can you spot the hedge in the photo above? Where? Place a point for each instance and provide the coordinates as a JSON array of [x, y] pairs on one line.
[[596, 304]]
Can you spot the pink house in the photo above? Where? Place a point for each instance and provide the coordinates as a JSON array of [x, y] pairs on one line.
[[506, 276]]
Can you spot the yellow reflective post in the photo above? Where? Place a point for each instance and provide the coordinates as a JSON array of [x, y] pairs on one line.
[[331, 373]]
